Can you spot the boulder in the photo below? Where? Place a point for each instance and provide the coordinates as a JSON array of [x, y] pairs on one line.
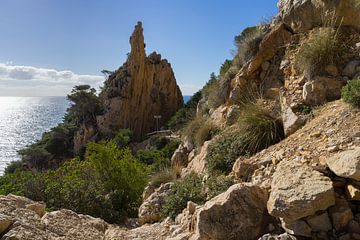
[[340, 214], [180, 156], [38, 208], [150, 209], [320, 222], [297, 228], [346, 164], [70, 225], [5, 223], [298, 191], [321, 90], [237, 213], [350, 68], [291, 121], [353, 192]]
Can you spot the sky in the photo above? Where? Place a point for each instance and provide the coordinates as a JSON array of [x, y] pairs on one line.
[[48, 46]]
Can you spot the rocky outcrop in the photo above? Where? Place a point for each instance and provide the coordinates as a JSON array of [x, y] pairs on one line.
[[143, 87], [298, 191], [346, 164], [239, 213], [303, 15], [150, 209]]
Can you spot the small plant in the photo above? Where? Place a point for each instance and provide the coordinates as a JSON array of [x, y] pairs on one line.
[[259, 128], [211, 91], [200, 130], [351, 92], [305, 109], [322, 47], [188, 189], [216, 185], [164, 176]]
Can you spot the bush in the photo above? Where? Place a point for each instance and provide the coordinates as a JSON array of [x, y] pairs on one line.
[[351, 92], [199, 130], [188, 189], [256, 130], [164, 176], [320, 49], [259, 128], [123, 138], [216, 185], [223, 152], [211, 92]]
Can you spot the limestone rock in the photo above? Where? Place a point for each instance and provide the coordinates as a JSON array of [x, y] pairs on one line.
[[346, 164], [350, 69], [340, 214], [142, 88], [303, 15], [291, 121], [5, 223], [82, 136], [198, 163], [180, 156], [242, 169], [319, 223], [284, 236], [70, 225], [297, 228], [150, 209], [353, 192], [38, 208], [298, 191], [237, 213], [321, 90]]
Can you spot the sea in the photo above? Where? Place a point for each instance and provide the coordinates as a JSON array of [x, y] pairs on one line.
[[23, 120]]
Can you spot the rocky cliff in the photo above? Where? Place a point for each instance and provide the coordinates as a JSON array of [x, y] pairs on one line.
[[144, 86]]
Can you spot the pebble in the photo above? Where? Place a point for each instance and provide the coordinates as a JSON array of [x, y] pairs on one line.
[[333, 148]]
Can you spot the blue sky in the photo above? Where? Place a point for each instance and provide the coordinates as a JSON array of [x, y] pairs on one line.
[[46, 46]]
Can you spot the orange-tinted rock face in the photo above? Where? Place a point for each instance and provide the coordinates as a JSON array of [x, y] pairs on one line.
[[143, 87]]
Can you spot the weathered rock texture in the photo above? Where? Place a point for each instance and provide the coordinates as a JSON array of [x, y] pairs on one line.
[[239, 213], [143, 87]]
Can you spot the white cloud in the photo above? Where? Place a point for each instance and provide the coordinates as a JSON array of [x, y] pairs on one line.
[[46, 81]]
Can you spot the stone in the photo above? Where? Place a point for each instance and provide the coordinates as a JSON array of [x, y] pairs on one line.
[[340, 214], [180, 156], [298, 191], [238, 212], [5, 223], [191, 207], [350, 68], [265, 65], [38, 208], [291, 121], [148, 191], [242, 170], [198, 164], [232, 114], [303, 15], [319, 223], [346, 164], [145, 84], [353, 192], [332, 70], [354, 226], [333, 148], [297, 228], [150, 209], [284, 236], [321, 90], [70, 225], [272, 93]]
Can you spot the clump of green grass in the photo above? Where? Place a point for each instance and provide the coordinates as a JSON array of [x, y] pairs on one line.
[[257, 128], [200, 130], [351, 92], [164, 176]]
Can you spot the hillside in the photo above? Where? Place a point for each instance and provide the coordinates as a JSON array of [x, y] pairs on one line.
[[268, 149]]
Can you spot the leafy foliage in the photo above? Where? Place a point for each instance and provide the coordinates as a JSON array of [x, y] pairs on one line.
[[256, 130], [123, 138], [217, 184], [351, 92], [188, 189]]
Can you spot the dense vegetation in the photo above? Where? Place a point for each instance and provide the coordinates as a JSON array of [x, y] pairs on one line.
[[351, 92]]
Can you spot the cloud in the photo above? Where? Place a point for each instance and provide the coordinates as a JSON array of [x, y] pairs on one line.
[[21, 78]]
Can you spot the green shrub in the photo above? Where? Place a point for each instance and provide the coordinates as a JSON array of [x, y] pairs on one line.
[[224, 150], [188, 189], [153, 157], [200, 130], [256, 130], [320, 49], [351, 92], [123, 138], [13, 166], [216, 185]]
